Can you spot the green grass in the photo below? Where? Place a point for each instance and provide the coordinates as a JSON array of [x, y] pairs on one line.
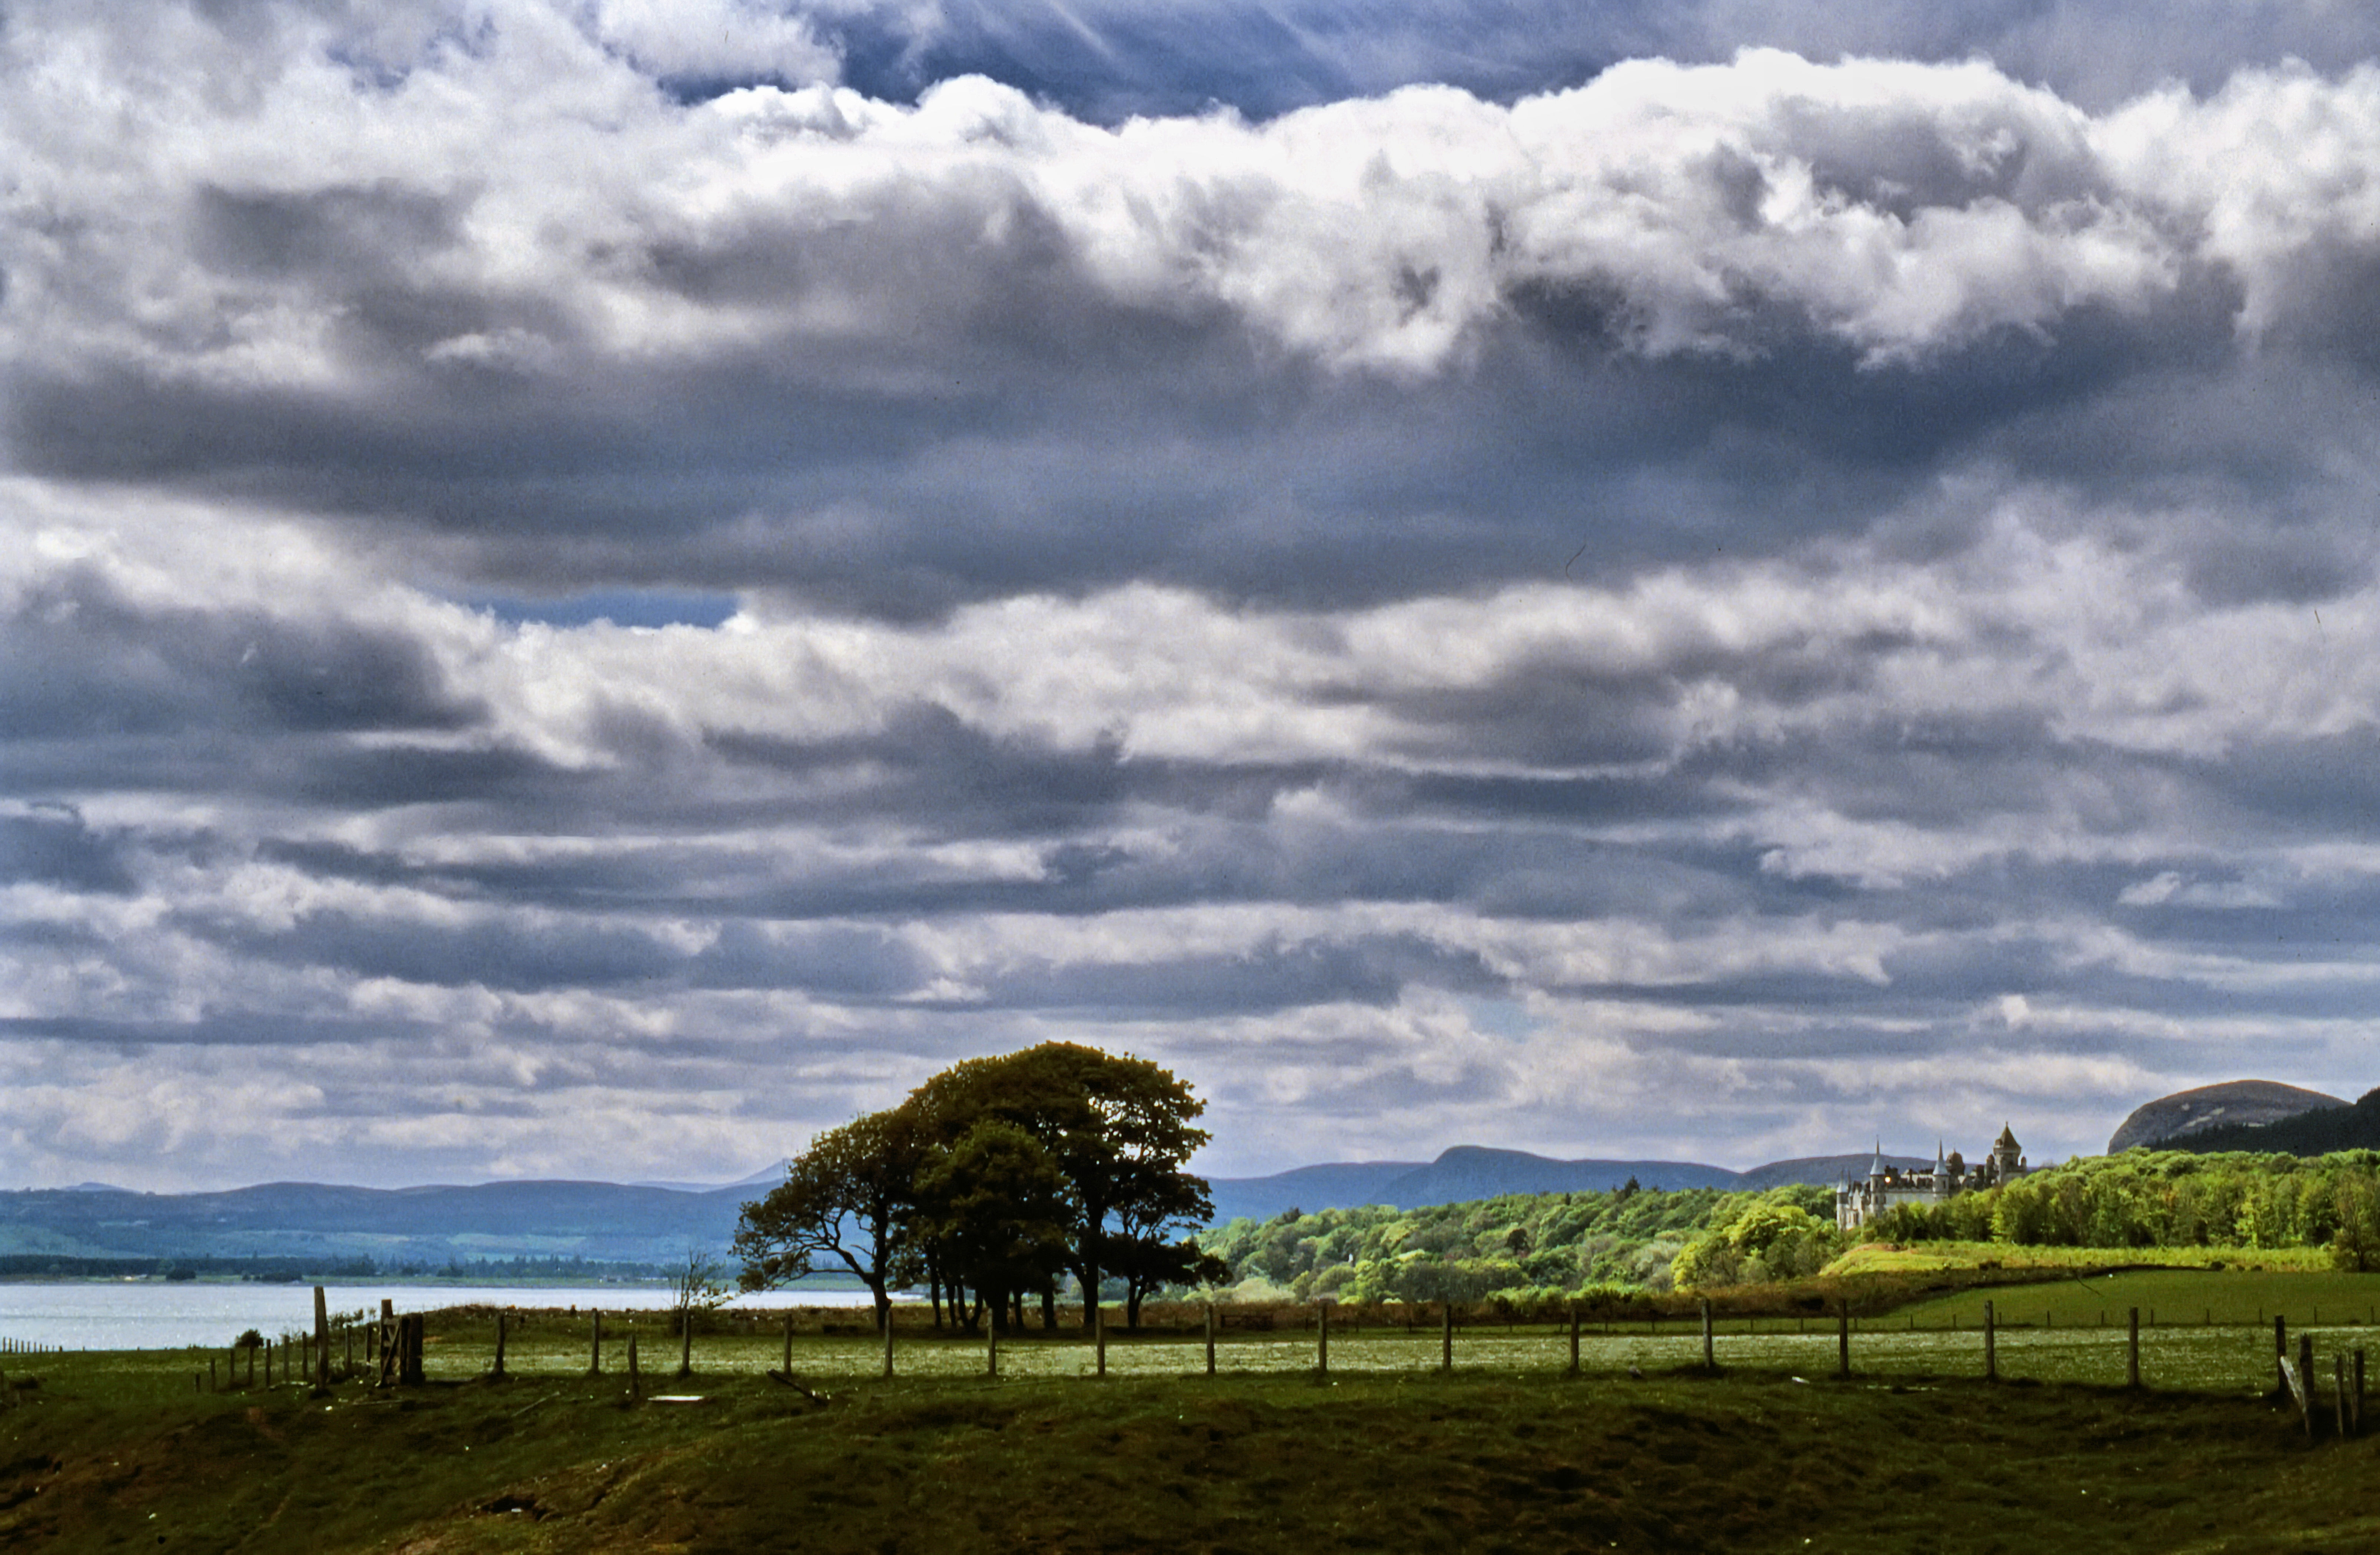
[[1910, 1257], [1913, 1454]]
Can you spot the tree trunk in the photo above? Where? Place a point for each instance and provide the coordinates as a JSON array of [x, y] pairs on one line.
[[1049, 1306]]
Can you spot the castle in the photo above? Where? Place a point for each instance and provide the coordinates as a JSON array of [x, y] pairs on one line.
[[1887, 1188]]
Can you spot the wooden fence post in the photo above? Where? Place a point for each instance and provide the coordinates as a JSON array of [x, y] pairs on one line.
[[595, 1347], [2306, 1370], [387, 1342], [213, 1388], [2339, 1391], [268, 1348], [2357, 1413], [789, 1343], [1843, 1339], [322, 1338], [1991, 1345], [2133, 1352], [2280, 1351], [1210, 1338], [498, 1373], [636, 1377], [1710, 1362], [1574, 1342], [686, 1340], [888, 1339], [1445, 1340], [2297, 1388], [1322, 1338]]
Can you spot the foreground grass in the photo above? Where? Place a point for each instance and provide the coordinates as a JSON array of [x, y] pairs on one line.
[[1509, 1452]]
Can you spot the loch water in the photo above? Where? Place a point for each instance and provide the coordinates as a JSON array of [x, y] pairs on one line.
[[159, 1314]]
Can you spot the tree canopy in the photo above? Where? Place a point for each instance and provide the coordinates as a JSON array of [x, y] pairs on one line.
[[2166, 1199], [1521, 1247], [993, 1178]]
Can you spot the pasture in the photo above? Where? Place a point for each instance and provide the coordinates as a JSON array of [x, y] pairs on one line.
[[1640, 1450]]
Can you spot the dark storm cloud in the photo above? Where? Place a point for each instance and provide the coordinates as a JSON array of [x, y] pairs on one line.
[[224, 1029], [52, 844], [955, 386], [82, 659]]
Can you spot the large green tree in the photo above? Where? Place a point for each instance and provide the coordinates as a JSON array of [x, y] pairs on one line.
[[992, 1209], [850, 1198], [995, 1175], [1121, 1131]]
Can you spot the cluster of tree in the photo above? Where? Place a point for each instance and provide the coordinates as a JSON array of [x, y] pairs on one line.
[[1520, 1247], [2168, 1198], [1788, 1234], [994, 1179]]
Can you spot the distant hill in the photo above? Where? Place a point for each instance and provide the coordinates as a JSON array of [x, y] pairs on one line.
[[1336, 1186], [766, 1178], [2234, 1103], [2341, 1127], [319, 1224], [1821, 1170], [1469, 1172]]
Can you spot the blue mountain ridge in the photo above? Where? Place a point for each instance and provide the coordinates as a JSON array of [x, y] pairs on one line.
[[1469, 1172], [646, 1223]]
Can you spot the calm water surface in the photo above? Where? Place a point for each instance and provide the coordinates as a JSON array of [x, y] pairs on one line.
[[154, 1315]]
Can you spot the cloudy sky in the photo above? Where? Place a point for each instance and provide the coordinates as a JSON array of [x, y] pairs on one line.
[[589, 586]]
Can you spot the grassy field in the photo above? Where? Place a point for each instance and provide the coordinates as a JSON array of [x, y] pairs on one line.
[[1924, 1257], [1914, 1454]]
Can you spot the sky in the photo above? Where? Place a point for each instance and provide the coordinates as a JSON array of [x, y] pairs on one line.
[[589, 587]]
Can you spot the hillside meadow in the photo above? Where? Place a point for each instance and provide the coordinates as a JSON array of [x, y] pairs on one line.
[[1510, 1451]]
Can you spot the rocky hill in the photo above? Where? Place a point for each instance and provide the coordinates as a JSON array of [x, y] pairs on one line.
[[2235, 1103]]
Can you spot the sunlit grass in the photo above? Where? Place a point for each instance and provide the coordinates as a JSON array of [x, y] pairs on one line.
[[1914, 1258], [2044, 1334]]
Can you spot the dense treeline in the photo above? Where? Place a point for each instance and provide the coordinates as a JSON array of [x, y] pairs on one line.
[[2324, 1130], [1532, 1247], [2153, 1199]]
